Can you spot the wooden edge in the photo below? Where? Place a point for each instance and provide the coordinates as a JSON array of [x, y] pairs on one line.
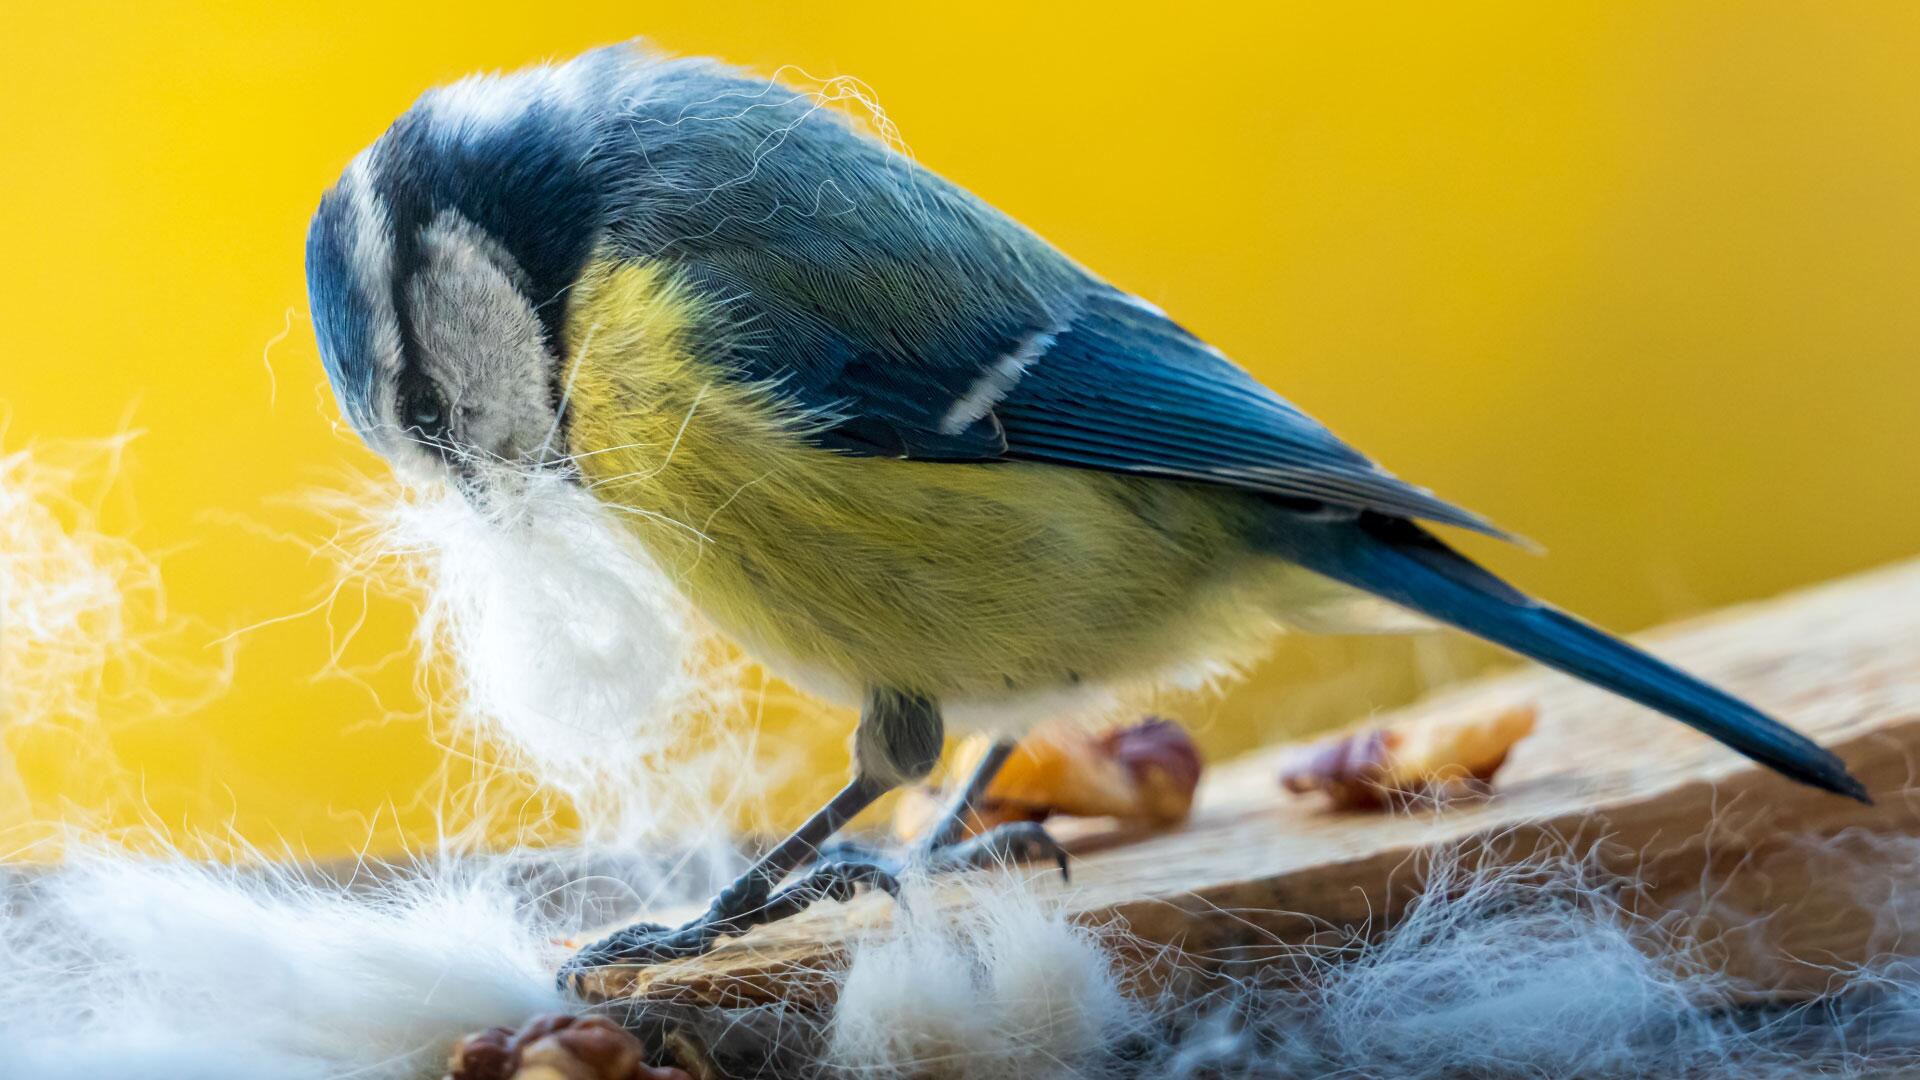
[[1705, 833]]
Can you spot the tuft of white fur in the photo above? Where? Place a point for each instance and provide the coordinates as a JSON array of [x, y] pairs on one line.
[[569, 646], [65, 587], [82, 616], [1534, 968], [1542, 968], [113, 965], [1003, 986], [1497, 969]]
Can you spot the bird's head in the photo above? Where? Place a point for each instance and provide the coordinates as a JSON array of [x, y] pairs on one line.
[[438, 266]]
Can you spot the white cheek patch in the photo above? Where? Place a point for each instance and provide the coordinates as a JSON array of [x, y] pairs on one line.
[[481, 341]]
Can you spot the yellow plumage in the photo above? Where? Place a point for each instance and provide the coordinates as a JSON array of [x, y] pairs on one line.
[[966, 583]]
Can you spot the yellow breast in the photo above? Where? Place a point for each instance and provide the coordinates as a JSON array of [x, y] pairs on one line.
[[963, 582]]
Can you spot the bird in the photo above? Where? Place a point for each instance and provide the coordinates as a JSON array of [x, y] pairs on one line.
[[901, 449]]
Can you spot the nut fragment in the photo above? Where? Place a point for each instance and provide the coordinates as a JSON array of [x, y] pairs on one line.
[[556, 1047], [1143, 774], [1437, 760], [487, 1055], [1165, 765]]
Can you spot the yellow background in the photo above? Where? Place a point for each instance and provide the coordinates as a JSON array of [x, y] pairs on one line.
[[1641, 281]]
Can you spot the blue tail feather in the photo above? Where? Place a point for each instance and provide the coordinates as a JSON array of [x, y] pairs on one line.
[[1399, 561]]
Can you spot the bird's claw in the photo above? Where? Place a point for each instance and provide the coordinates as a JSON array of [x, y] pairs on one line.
[[838, 879], [639, 945], [736, 911], [1004, 845]]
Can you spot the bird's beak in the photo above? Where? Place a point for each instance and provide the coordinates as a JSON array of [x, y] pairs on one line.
[[467, 481]]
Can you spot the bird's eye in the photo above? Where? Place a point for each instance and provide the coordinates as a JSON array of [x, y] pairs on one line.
[[423, 411]]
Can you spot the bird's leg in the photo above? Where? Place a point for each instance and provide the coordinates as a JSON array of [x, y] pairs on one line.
[[946, 845], [953, 823], [898, 741]]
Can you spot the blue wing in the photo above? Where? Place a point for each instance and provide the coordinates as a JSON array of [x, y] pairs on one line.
[[1123, 388], [1096, 379]]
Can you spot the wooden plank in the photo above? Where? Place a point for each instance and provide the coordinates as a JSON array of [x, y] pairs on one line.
[[1256, 867]]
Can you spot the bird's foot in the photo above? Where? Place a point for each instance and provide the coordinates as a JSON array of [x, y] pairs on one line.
[[1005, 845], [1014, 842], [745, 904]]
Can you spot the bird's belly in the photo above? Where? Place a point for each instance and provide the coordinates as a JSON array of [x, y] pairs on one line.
[[956, 586], [917, 579]]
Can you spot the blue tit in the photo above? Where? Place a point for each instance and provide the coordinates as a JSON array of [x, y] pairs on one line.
[[899, 447]]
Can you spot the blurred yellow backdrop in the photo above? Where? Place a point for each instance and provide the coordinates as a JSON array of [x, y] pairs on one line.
[[1637, 280]]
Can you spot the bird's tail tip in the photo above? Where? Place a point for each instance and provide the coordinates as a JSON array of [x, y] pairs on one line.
[[1843, 782]]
